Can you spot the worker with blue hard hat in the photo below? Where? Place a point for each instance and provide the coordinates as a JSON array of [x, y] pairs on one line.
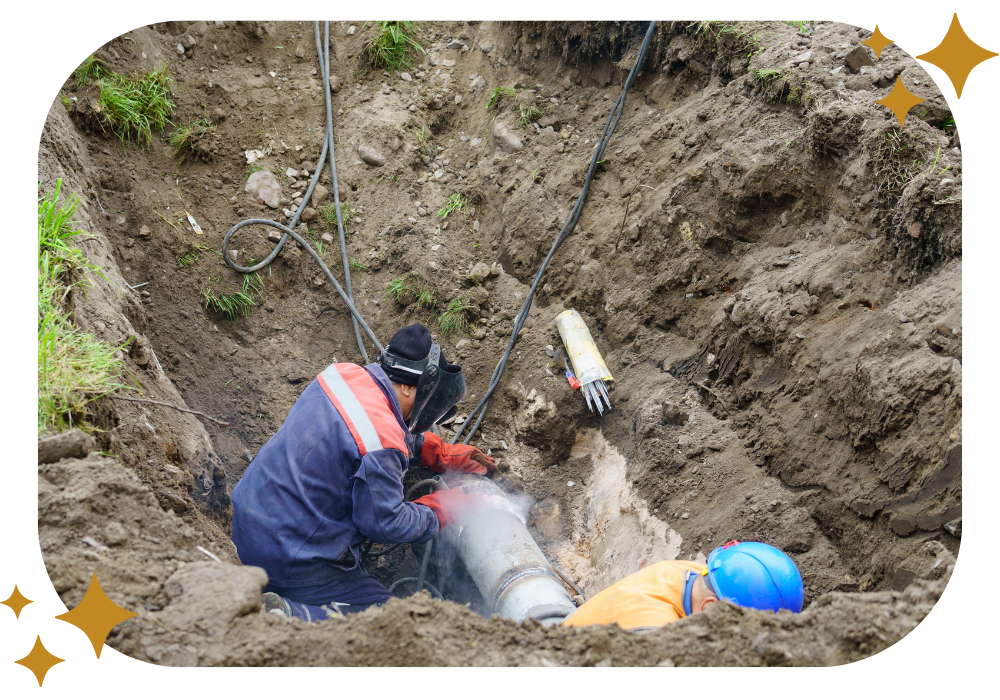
[[749, 574]]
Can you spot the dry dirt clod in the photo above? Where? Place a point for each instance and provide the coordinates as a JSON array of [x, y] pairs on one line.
[[72, 443], [857, 58]]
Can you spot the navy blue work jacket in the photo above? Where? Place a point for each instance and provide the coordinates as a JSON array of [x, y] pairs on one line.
[[329, 478]]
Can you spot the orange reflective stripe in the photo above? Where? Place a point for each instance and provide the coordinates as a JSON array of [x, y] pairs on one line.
[[363, 406]]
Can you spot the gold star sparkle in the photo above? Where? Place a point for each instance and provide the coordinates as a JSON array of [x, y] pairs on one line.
[[900, 101], [877, 42], [16, 602], [39, 660], [96, 615], [957, 55]]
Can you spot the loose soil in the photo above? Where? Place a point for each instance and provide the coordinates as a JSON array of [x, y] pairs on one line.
[[769, 265]]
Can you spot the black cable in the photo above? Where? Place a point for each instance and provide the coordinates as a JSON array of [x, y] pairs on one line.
[[423, 563], [427, 584], [322, 49], [609, 129], [333, 176]]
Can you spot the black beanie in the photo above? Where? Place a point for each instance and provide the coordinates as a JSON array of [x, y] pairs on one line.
[[412, 343]]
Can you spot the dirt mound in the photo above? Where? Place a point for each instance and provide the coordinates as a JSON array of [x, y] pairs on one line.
[[768, 264], [97, 517]]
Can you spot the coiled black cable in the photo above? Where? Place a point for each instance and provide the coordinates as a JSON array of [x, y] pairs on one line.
[[322, 49]]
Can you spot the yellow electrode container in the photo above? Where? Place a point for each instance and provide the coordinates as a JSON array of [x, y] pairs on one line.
[[588, 365]]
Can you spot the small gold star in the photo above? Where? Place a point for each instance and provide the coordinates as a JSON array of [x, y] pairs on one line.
[[39, 660], [900, 101], [96, 615], [957, 55], [877, 41], [16, 602]]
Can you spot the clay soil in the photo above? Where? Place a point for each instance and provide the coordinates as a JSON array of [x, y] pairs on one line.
[[768, 263]]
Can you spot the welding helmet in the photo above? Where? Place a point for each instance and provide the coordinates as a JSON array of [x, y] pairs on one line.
[[755, 575], [439, 388]]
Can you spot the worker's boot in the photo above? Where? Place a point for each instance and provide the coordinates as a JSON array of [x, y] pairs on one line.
[[274, 603]]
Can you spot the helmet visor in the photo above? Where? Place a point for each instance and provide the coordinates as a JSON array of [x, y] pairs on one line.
[[440, 388]]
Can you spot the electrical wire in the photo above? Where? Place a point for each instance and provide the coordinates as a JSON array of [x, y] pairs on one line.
[[610, 125], [430, 586], [323, 51]]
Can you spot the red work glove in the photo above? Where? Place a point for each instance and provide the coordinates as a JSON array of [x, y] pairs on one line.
[[452, 505], [440, 456]]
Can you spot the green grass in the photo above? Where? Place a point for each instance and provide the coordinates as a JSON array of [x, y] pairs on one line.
[[498, 94], [388, 48], [795, 23], [74, 368], [410, 288], [189, 259], [329, 214], [423, 141], [183, 138], [236, 304], [89, 71], [320, 245], [135, 105], [453, 319], [456, 202], [527, 115], [357, 266], [254, 169]]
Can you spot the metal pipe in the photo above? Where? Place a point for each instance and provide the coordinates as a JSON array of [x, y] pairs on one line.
[[510, 571]]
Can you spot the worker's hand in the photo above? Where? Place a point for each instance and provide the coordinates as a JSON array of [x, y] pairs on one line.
[[440, 456], [453, 504]]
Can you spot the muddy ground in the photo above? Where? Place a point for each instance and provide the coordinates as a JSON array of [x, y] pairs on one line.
[[781, 309]]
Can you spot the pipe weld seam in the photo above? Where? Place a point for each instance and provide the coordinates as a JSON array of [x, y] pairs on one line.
[[519, 575]]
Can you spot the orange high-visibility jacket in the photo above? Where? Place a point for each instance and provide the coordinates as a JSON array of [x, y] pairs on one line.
[[651, 597]]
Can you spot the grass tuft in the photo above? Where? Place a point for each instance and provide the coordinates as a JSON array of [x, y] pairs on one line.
[[424, 142], [800, 25], [410, 288], [329, 213], [237, 304], [89, 71], [183, 138], [528, 115], [392, 41], [456, 202], [498, 94], [74, 368], [453, 319], [135, 105]]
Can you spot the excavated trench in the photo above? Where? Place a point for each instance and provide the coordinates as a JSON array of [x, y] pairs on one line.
[[787, 353]]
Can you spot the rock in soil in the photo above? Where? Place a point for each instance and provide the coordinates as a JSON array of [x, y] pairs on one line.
[[264, 186], [505, 140], [370, 156]]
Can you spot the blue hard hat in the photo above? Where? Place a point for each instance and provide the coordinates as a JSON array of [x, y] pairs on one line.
[[755, 575]]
